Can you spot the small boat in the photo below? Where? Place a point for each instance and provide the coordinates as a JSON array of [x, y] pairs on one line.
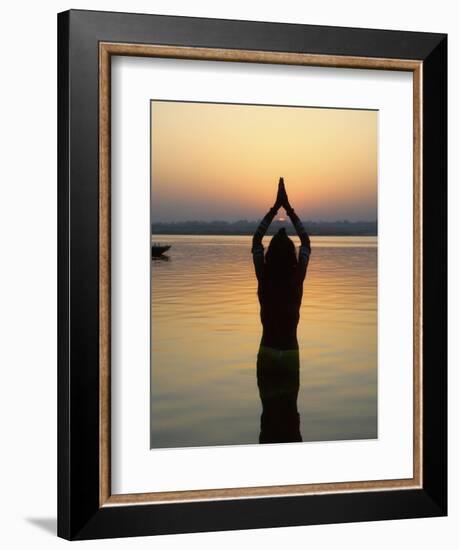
[[159, 249]]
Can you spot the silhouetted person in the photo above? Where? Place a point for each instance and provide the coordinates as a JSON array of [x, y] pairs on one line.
[[280, 276]]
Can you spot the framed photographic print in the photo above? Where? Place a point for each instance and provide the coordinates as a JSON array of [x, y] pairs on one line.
[[252, 274]]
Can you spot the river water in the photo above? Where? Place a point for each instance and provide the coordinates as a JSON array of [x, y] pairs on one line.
[[206, 333]]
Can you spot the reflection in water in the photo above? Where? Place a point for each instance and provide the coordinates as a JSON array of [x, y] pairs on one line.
[[278, 378]]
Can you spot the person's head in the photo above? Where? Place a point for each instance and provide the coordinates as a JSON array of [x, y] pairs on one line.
[[281, 256]]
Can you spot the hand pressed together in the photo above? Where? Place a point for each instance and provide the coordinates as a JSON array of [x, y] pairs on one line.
[[282, 198]]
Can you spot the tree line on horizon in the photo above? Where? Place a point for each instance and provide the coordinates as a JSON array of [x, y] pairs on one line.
[[246, 227]]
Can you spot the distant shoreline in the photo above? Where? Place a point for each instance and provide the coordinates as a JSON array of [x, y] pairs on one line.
[[247, 228], [268, 234]]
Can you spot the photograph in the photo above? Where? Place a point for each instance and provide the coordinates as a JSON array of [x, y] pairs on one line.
[[264, 274], [252, 258]]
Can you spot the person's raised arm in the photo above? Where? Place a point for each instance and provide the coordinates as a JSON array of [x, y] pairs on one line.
[[257, 246], [305, 248], [263, 226]]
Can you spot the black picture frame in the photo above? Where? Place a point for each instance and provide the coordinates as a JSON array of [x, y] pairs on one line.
[[80, 515]]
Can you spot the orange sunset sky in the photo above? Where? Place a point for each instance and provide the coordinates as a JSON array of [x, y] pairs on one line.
[[222, 162]]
